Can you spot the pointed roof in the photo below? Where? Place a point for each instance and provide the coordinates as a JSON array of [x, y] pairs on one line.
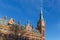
[[41, 21], [28, 26], [11, 21], [41, 18], [19, 22], [5, 17], [28, 22], [41, 14]]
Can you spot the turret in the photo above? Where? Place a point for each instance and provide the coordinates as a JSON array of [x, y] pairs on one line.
[[41, 25]]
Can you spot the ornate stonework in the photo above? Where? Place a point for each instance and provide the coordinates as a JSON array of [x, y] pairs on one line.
[[9, 30]]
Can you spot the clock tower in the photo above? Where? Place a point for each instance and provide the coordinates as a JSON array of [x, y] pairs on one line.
[[41, 25]]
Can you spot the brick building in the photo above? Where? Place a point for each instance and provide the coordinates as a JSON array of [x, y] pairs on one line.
[[9, 30]]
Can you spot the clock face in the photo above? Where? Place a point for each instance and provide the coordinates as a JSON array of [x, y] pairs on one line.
[[43, 23]]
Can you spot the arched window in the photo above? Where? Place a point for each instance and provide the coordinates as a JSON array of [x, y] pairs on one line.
[[33, 38], [37, 39], [24, 38], [11, 37], [43, 33]]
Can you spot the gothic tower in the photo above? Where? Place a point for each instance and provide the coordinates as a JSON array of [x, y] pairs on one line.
[[41, 25]]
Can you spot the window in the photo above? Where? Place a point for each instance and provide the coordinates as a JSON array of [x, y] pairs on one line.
[[43, 33], [37, 39], [43, 38], [0, 28], [24, 38], [33, 38], [11, 37], [4, 29]]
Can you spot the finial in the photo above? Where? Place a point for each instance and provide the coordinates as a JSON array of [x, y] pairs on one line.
[[32, 27], [28, 22], [11, 21], [18, 22], [5, 17]]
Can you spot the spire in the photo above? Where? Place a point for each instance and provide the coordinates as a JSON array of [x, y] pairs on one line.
[[18, 22], [41, 18], [41, 15], [28, 22], [41, 25], [41, 22], [5, 17], [11, 21], [28, 27]]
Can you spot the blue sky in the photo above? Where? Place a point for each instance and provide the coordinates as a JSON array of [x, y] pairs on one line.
[[24, 10]]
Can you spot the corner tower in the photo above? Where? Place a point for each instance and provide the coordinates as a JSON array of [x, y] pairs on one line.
[[41, 25]]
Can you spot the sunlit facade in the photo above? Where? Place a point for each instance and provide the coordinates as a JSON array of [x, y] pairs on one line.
[[9, 30]]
